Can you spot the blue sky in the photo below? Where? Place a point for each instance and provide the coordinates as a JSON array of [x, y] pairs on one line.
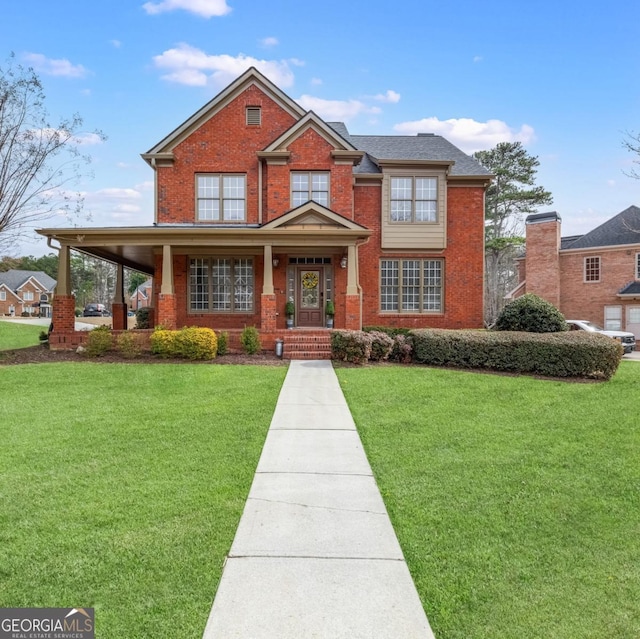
[[562, 77]]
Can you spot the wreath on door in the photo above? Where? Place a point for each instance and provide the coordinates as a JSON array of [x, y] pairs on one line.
[[310, 280]]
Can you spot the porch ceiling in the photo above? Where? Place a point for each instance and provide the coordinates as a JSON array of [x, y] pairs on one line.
[[136, 247]]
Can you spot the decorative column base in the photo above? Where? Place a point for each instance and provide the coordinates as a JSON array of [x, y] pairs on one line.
[[64, 314], [166, 311], [119, 317], [268, 313], [353, 321]]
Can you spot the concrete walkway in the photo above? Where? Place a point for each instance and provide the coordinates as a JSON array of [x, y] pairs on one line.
[[315, 554]]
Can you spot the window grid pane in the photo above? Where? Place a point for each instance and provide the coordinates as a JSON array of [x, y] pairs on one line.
[[309, 186], [221, 285], [432, 285], [410, 285], [414, 199], [216, 192], [389, 285], [243, 285], [592, 269], [199, 285], [211, 282]]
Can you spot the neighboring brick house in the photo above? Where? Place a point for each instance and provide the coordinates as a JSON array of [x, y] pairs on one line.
[[26, 292], [259, 202], [141, 297], [595, 276]]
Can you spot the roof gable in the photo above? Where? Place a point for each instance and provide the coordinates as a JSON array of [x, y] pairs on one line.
[[621, 229], [312, 215], [251, 77], [4, 287], [16, 279], [310, 121]]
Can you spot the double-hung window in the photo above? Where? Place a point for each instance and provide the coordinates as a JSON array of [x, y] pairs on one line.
[[592, 269], [411, 286], [307, 186], [414, 199], [27, 296], [220, 198], [221, 284], [3, 296]]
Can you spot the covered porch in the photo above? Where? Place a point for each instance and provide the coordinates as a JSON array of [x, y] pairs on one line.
[[224, 278]]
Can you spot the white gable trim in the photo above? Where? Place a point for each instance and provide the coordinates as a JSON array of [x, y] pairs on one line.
[[317, 211]]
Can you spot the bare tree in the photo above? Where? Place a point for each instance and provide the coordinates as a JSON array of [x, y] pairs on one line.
[[632, 144], [40, 164]]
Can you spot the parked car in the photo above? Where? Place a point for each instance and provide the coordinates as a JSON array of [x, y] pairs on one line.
[[628, 340], [95, 310]]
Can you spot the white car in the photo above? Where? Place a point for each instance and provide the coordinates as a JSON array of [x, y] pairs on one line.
[[628, 340]]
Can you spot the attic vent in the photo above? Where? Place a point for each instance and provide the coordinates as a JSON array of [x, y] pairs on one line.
[[254, 115]]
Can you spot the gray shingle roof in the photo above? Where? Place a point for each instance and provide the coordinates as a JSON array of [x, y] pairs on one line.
[[424, 146], [14, 279], [631, 289], [624, 228]]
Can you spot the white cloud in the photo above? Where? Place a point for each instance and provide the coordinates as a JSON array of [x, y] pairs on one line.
[[389, 96], [269, 42], [116, 194], [468, 134], [51, 66], [332, 110], [127, 208], [477, 58], [316, 82], [88, 139], [188, 65], [115, 43], [202, 8]]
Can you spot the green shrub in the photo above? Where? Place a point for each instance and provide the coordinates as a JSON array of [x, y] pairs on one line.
[[223, 343], [381, 346], [562, 354], [532, 314], [196, 342], [127, 345], [78, 312], [163, 342], [402, 350], [143, 317], [392, 331], [99, 342], [44, 336], [351, 346], [250, 340]]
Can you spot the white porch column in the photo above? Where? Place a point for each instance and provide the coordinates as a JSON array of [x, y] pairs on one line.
[[63, 286], [118, 297], [267, 285], [167, 271], [352, 257]]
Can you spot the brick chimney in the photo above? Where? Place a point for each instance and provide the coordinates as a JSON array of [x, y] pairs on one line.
[[542, 262]]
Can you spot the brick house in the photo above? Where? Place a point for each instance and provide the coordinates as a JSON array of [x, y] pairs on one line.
[[259, 202], [595, 276], [26, 292], [141, 297]]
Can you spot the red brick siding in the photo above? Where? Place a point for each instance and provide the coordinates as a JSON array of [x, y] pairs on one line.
[[542, 261], [463, 261]]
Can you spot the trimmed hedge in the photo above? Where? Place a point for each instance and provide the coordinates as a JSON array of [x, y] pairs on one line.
[[391, 331], [565, 354], [193, 342], [532, 314], [351, 346]]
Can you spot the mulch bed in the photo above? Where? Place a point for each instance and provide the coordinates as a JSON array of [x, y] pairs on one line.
[[42, 354]]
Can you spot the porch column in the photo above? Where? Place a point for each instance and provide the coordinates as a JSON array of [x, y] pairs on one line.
[[353, 319], [118, 306], [167, 311], [63, 314], [268, 298]]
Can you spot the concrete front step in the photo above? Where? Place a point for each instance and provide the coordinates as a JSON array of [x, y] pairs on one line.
[[307, 355]]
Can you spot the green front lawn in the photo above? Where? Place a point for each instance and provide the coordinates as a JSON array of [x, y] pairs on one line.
[[121, 487], [516, 500], [15, 335]]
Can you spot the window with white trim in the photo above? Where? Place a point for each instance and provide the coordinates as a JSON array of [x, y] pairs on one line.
[[27, 296], [592, 269], [3, 296], [613, 318], [309, 185], [221, 285], [220, 198], [414, 199], [411, 286]]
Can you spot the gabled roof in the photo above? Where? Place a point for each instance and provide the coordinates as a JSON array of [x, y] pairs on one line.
[[623, 228], [15, 279], [632, 289], [313, 214], [424, 146], [250, 77], [4, 287]]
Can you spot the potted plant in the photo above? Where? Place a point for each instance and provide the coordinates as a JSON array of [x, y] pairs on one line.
[[329, 311], [289, 311]]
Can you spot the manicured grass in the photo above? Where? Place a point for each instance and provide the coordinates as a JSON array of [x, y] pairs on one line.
[[516, 501], [122, 486], [14, 335]]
